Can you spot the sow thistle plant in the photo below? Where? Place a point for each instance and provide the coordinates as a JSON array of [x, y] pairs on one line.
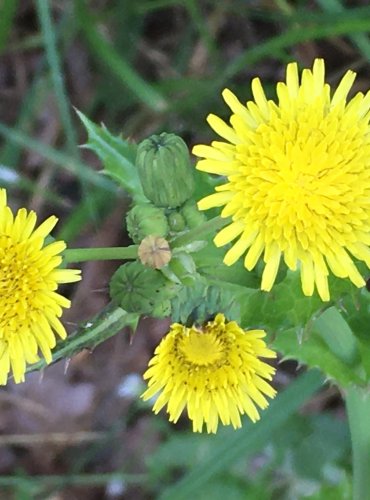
[[288, 190]]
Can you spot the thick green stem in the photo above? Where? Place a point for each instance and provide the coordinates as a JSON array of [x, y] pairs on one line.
[[198, 233], [109, 253], [358, 411]]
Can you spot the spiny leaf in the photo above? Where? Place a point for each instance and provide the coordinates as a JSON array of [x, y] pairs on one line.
[[315, 353], [117, 155]]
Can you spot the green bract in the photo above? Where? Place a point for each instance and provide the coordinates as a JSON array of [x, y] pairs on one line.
[[165, 171], [144, 220]]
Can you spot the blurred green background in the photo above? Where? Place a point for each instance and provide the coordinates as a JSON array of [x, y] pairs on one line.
[[79, 431]]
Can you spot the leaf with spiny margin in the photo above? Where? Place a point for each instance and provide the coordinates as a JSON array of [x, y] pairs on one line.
[[209, 263], [117, 155], [283, 307], [202, 301], [316, 353], [286, 306]]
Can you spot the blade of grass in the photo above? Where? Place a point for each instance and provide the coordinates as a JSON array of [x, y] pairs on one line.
[[359, 39], [7, 13], [11, 152], [115, 62], [198, 20], [346, 23], [230, 445], [73, 479], [71, 225], [60, 159], [52, 55], [10, 179], [33, 99]]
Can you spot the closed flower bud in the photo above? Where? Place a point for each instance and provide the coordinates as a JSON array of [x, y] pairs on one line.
[[193, 217], [139, 289], [165, 171], [145, 219], [176, 222]]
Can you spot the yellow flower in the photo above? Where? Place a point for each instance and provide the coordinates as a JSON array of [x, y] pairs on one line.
[[297, 179], [29, 304], [214, 371]]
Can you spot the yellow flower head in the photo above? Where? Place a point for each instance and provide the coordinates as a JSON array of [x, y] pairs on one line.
[[214, 371], [29, 304], [297, 179]]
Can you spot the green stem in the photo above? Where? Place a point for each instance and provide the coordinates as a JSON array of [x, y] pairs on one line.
[[121, 253], [102, 326], [200, 232], [109, 253], [358, 411]]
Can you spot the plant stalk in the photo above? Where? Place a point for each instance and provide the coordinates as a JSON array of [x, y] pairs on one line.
[[199, 233], [358, 411], [109, 253], [122, 253]]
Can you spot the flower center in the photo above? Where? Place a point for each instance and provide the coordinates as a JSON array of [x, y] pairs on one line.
[[201, 348], [19, 280], [303, 174]]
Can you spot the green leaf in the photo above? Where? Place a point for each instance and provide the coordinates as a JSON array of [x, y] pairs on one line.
[[286, 306], [202, 301], [209, 263], [117, 155], [283, 307], [338, 336], [315, 353], [356, 311]]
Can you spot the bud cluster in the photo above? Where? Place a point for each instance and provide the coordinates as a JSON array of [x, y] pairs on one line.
[[149, 285]]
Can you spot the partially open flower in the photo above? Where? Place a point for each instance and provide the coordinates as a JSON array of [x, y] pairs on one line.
[[214, 371], [30, 306]]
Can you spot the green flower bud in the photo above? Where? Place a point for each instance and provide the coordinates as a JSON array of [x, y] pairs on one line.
[[176, 222], [143, 220], [193, 217], [165, 171], [139, 289]]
